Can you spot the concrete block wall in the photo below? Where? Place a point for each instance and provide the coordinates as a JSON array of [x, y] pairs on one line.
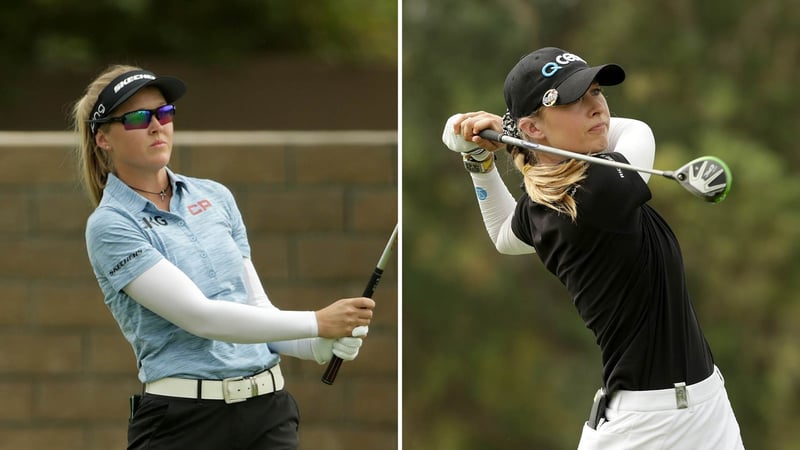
[[319, 207]]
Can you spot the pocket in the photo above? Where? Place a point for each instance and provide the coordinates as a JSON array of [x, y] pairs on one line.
[[631, 430], [601, 438], [146, 421]]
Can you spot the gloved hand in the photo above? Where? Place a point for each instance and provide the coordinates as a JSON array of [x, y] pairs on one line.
[[456, 142], [345, 348]]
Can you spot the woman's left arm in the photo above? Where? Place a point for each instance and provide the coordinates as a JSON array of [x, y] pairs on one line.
[[255, 290], [317, 349], [634, 139]]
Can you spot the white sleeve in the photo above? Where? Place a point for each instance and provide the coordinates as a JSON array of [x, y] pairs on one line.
[[170, 293], [497, 208], [255, 290], [635, 140], [298, 348]]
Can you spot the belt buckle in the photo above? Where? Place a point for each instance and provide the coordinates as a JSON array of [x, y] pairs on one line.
[[226, 395], [681, 397]]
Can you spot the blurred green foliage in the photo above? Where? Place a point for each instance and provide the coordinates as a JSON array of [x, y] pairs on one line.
[[61, 34], [494, 354]]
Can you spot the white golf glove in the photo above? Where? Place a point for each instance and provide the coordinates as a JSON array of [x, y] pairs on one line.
[[456, 142], [345, 348]]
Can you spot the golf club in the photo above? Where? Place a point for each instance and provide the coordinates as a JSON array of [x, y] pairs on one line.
[[335, 363], [707, 177]]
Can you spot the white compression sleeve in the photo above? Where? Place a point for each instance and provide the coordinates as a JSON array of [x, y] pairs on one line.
[[298, 348], [255, 290], [168, 292], [634, 139], [497, 208]]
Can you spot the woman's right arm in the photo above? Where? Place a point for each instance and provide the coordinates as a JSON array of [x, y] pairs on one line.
[[494, 199], [170, 293], [497, 208]]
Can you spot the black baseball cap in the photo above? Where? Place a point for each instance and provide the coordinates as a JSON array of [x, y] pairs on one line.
[[124, 86], [552, 76]]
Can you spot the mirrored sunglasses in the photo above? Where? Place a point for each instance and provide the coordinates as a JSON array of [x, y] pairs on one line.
[[140, 119]]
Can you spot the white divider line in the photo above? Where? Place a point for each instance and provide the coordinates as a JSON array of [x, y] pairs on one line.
[[219, 138]]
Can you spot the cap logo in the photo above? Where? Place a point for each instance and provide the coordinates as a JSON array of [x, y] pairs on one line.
[[131, 79], [550, 97], [99, 112], [550, 69]]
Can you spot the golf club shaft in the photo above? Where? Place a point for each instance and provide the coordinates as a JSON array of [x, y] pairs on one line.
[[492, 135], [335, 363]]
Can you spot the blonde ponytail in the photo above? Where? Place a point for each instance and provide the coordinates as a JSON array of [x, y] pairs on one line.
[[94, 165], [551, 185]]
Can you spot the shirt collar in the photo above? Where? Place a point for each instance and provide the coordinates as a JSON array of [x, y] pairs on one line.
[[122, 193], [179, 182]]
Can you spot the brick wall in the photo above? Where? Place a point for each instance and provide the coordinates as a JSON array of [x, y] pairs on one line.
[[319, 207]]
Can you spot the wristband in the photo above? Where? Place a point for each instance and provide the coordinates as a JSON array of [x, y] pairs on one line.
[[476, 166]]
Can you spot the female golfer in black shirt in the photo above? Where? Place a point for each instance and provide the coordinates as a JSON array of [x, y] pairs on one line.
[[619, 260]]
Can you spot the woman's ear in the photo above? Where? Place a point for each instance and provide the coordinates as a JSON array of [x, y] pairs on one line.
[[101, 140], [530, 127]]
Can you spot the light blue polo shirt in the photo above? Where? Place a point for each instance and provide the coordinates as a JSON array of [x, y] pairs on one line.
[[204, 236]]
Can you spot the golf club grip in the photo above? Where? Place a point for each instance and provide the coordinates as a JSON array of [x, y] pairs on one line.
[[491, 135], [335, 363], [333, 366]]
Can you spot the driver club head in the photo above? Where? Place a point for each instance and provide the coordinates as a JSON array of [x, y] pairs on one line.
[[707, 177]]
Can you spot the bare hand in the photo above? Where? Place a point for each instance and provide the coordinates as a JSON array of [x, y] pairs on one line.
[[468, 125], [342, 316]]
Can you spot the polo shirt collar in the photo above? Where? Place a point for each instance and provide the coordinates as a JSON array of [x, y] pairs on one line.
[[179, 182], [122, 193]]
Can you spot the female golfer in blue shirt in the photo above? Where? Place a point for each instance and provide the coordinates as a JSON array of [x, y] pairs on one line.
[[172, 258]]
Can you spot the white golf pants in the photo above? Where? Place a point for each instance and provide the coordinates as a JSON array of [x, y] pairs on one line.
[[651, 420]]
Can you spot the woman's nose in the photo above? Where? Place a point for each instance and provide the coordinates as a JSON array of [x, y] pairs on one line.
[[155, 125], [595, 103]]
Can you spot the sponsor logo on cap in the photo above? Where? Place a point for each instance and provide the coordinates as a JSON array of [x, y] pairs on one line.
[[131, 79], [550, 69], [98, 113], [550, 97]]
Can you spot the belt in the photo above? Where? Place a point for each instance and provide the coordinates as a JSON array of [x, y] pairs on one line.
[[232, 390], [679, 397]]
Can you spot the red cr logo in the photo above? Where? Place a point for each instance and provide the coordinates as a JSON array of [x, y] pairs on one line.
[[199, 207]]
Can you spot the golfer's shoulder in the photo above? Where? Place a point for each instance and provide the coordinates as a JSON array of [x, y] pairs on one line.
[[108, 213], [608, 182], [108, 223]]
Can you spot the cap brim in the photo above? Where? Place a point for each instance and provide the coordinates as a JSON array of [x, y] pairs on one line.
[[171, 88], [573, 88]]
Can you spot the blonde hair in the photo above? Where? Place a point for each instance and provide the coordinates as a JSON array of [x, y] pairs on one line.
[[94, 165], [551, 185]]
